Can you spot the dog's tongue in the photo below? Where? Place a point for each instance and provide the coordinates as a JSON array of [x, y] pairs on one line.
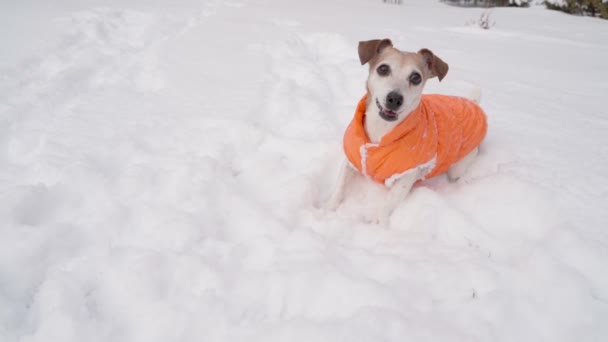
[[390, 113]]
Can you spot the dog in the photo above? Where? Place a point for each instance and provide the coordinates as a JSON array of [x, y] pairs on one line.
[[399, 136]]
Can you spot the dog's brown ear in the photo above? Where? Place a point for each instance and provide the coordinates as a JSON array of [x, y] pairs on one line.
[[370, 48], [436, 66]]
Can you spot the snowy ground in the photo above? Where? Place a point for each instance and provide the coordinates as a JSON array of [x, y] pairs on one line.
[[162, 165]]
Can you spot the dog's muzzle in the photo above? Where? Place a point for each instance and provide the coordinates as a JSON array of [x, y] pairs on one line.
[[386, 114]]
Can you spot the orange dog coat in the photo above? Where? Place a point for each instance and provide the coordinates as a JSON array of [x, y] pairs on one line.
[[437, 134]]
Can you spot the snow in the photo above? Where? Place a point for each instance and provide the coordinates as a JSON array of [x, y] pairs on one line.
[[162, 167]]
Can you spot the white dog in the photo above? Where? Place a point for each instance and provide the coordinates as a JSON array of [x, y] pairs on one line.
[[398, 135]]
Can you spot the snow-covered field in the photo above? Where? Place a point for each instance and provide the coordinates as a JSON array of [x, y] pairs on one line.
[[162, 166]]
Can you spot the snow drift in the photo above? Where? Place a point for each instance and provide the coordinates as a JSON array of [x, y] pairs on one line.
[[162, 168]]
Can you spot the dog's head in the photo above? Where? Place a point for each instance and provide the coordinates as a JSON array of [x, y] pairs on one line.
[[396, 78]]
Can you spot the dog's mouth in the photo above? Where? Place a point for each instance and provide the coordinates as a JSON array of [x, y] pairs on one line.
[[386, 114]]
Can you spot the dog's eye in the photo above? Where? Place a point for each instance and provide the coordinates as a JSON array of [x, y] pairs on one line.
[[415, 78], [383, 70]]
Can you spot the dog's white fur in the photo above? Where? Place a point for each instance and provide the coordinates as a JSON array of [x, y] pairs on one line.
[[402, 65], [379, 87]]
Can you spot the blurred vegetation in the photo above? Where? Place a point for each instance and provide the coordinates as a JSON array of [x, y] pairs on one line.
[[489, 3], [594, 8]]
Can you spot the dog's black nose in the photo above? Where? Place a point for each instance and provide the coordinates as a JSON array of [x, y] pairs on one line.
[[394, 100]]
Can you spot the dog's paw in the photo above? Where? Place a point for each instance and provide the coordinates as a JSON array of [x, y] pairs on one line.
[[319, 213], [332, 204], [381, 217], [383, 220]]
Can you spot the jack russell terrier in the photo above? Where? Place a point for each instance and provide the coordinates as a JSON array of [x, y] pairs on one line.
[[399, 136]]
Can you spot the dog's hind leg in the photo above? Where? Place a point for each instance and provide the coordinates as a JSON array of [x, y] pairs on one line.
[[457, 170], [475, 94]]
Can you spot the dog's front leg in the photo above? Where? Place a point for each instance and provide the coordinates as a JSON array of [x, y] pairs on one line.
[[346, 174], [396, 194]]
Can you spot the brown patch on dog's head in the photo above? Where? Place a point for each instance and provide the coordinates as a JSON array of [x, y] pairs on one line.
[[371, 48], [434, 65]]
